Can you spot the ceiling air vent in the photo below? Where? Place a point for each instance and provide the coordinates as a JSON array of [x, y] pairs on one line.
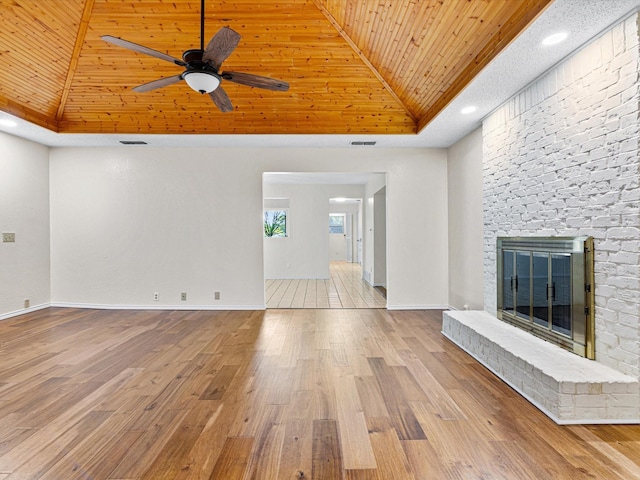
[[363, 143], [133, 142]]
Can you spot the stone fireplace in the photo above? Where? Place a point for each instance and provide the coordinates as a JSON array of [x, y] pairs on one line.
[[562, 159]]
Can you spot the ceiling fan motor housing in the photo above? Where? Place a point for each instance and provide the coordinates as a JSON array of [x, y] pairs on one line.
[[193, 60], [207, 76], [193, 56]]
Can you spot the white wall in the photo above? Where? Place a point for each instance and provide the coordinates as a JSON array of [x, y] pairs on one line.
[[305, 252], [562, 159], [24, 210], [465, 222], [129, 221], [374, 185], [380, 238]]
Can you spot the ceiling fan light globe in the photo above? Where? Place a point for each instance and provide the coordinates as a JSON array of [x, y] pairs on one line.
[[202, 82]]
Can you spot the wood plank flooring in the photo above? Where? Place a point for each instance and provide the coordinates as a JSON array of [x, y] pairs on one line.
[[276, 394], [344, 289]]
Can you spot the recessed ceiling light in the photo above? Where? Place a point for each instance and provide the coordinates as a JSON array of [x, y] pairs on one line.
[[555, 38], [468, 110], [5, 122]]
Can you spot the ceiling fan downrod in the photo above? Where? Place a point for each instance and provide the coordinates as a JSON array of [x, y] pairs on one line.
[[202, 25]]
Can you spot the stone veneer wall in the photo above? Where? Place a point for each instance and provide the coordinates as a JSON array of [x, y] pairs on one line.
[[561, 159]]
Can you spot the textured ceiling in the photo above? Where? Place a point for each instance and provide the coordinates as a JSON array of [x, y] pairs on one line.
[[354, 66]]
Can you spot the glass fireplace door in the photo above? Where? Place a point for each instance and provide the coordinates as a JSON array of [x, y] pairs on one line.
[[541, 303], [516, 283], [523, 285], [545, 285], [508, 278], [561, 293]]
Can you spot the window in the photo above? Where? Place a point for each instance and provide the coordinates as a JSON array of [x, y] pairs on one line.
[[276, 217], [336, 223], [275, 223]]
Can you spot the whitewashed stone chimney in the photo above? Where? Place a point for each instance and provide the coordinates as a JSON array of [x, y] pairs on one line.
[[561, 159]]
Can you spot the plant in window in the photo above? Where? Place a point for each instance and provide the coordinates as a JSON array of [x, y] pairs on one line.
[[275, 223]]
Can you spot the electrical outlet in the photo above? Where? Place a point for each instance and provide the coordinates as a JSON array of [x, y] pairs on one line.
[[216, 295], [183, 296], [27, 303], [156, 297], [8, 237]]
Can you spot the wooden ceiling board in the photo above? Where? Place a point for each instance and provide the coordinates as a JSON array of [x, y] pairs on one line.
[[36, 46], [504, 33], [426, 49], [329, 85], [445, 65], [354, 66]]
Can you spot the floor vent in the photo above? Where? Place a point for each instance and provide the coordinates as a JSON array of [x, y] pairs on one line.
[[363, 143], [133, 142]]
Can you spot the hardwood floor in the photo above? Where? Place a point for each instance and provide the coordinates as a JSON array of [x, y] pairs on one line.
[[276, 394], [344, 289]]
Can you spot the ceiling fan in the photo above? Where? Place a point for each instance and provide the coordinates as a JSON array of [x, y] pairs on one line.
[[202, 66]]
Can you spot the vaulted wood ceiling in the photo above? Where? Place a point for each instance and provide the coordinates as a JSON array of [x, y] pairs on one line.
[[354, 66]]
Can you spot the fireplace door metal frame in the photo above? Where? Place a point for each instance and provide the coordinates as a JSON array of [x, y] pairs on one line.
[[520, 294]]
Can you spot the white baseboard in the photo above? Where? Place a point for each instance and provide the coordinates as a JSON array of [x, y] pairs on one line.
[[101, 306], [104, 306], [284, 277], [24, 310], [417, 307]]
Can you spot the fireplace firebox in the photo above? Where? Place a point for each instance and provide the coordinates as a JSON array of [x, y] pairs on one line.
[[546, 286]]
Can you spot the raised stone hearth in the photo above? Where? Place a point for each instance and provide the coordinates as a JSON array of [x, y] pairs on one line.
[[568, 388]]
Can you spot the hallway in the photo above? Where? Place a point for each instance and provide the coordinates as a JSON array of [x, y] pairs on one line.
[[345, 289]]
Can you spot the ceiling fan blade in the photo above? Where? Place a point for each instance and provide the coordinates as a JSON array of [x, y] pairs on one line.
[[221, 99], [256, 81], [161, 82], [221, 45], [141, 49]]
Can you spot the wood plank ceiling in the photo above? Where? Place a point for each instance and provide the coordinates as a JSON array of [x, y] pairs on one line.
[[354, 66]]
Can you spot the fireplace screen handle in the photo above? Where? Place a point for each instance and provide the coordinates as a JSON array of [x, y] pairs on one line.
[[553, 291]]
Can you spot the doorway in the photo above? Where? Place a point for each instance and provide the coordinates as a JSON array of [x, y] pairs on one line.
[[338, 251], [320, 261], [345, 230]]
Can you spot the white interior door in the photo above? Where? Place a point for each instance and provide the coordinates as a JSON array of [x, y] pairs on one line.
[[337, 237], [348, 233]]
